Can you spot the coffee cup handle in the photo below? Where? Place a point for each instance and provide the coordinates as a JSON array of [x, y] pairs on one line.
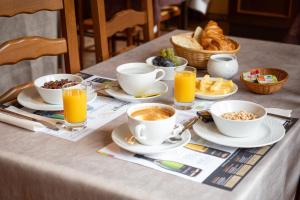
[[139, 132], [163, 73]]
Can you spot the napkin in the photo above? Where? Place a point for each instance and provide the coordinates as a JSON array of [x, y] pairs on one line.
[[279, 111], [22, 123]]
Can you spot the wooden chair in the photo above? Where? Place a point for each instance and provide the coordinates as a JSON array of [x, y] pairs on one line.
[[168, 12], [32, 47], [122, 20], [132, 36]]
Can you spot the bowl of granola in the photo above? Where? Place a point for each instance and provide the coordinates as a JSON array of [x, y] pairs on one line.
[[49, 86], [237, 118]]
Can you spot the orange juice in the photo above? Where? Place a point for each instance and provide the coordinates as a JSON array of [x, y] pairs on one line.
[[75, 105], [184, 86]]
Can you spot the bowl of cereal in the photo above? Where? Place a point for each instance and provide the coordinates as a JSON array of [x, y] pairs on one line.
[[49, 86], [237, 118]]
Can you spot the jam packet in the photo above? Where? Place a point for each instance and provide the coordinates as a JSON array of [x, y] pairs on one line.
[[264, 79], [251, 75]]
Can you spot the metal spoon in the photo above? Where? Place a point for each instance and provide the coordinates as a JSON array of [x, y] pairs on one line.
[[205, 116]]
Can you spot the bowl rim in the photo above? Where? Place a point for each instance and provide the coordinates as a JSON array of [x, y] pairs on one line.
[[241, 121], [266, 84], [48, 89], [186, 62]]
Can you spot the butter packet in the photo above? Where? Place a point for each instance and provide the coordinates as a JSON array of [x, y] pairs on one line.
[[264, 79], [251, 75]]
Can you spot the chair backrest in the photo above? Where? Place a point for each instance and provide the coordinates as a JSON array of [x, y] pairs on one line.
[[32, 47], [120, 21]]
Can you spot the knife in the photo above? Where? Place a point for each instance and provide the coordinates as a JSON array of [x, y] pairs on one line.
[[20, 116]]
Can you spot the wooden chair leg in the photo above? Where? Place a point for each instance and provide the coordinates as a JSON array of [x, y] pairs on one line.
[[81, 32], [184, 15]]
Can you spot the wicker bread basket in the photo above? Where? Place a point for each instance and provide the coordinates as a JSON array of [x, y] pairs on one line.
[[199, 58], [269, 88]]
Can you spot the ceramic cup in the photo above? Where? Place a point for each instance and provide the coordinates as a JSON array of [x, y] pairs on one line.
[[222, 65], [152, 132], [136, 78]]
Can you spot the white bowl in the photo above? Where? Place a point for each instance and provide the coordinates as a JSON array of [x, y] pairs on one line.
[[237, 128], [53, 96], [170, 71]]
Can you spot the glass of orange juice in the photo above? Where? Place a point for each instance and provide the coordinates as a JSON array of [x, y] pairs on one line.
[[75, 104], [184, 87]]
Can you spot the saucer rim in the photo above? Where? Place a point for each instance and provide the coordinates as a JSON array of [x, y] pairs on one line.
[[256, 143], [45, 106], [124, 146], [131, 98]]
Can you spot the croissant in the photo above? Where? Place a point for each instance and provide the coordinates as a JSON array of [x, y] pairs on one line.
[[212, 38]]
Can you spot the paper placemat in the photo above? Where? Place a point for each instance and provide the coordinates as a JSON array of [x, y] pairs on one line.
[[101, 111], [200, 161]]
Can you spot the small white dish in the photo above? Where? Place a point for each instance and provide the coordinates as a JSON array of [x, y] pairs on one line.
[[216, 97], [157, 88], [170, 71], [269, 132], [124, 139], [53, 96], [30, 98]]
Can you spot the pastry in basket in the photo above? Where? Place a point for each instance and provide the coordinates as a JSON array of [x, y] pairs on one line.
[[212, 38]]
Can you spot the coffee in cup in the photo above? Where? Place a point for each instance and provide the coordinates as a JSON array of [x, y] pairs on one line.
[[151, 123], [136, 78], [152, 113]]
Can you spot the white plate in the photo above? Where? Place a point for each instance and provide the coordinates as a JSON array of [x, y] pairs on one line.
[[157, 88], [124, 139], [270, 132], [30, 98], [215, 97]]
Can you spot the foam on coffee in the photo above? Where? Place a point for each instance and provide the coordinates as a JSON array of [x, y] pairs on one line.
[[152, 113]]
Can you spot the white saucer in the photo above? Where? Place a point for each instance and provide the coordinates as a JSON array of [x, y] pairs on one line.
[[30, 98], [157, 88], [215, 97], [270, 132], [124, 139]]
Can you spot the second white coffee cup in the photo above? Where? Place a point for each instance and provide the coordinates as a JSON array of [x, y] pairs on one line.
[[136, 78]]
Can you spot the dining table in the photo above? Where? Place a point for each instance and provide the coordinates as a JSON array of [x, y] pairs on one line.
[[40, 166]]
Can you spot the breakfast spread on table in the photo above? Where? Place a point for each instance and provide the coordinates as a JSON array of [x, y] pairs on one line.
[[154, 130]]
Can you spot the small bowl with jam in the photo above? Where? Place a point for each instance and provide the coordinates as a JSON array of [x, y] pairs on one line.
[[49, 86], [264, 80]]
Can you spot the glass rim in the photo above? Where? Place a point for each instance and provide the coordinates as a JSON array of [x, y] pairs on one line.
[[72, 85], [183, 68]]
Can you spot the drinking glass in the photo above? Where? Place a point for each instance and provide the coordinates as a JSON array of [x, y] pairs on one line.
[[75, 104], [184, 87]]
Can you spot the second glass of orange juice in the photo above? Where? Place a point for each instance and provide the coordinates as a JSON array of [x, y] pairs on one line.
[[184, 87], [75, 104]]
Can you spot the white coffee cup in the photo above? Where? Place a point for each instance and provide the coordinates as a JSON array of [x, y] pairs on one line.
[[152, 132], [136, 78], [222, 65]]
